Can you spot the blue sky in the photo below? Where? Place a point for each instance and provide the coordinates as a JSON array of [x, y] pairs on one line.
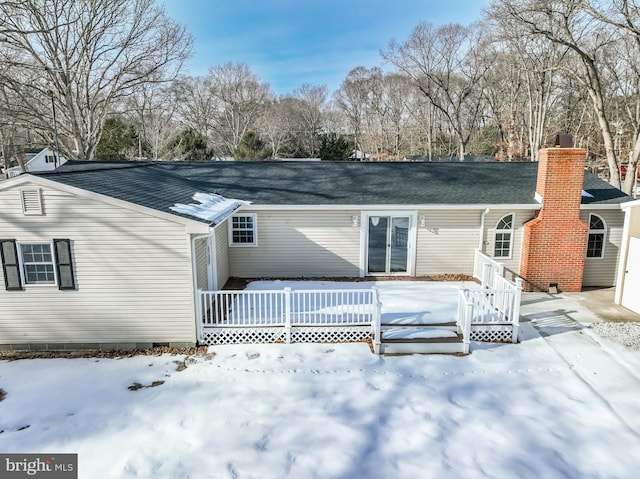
[[291, 42]]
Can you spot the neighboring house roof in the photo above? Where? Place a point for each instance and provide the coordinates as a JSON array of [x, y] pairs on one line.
[[33, 150], [38, 159], [160, 185]]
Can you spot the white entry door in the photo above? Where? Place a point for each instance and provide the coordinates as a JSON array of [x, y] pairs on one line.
[[631, 292]]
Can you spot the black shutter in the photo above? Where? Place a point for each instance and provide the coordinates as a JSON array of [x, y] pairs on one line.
[[10, 265], [64, 264]]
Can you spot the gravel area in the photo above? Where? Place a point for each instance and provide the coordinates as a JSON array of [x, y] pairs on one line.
[[625, 333]]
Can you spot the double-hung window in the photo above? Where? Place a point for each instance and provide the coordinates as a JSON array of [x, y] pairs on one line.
[[243, 231], [37, 263], [503, 237], [595, 240]]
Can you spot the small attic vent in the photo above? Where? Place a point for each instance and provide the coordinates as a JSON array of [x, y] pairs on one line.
[[31, 202]]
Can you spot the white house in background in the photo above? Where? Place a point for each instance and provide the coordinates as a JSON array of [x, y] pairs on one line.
[[37, 160], [359, 156], [628, 283]]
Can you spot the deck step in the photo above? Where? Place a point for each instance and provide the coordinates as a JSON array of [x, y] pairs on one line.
[[421, 339], [440, 345], [451, 326], [420, 332]]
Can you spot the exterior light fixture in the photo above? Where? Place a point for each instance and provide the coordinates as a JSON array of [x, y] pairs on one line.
[[356, 220], [422, 221]]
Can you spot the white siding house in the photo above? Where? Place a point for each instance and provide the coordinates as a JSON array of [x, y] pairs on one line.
[[99, 254], [131, 268]]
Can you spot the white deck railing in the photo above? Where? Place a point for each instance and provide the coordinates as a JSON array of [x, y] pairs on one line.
[[498, 302], [485, 269], [287, 309], [492, 307]]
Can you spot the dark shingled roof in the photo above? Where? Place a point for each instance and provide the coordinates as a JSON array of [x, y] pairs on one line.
[[160, 185]]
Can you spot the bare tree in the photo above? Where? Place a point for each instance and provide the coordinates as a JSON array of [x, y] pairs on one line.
[[152, 109], [351, 99], [275, 124], [396, 93], [571, 26], [88, 55], [240, 99], [197, 105], [447, 64], [312, 105], [624, 16]]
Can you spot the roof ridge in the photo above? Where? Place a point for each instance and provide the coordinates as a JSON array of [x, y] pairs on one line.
[[84, 166]]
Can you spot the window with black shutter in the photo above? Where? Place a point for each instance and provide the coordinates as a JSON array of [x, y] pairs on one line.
[[10, 265]]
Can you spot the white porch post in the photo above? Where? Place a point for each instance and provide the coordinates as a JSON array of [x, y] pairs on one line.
[[287, 315], [376, 320], [486, 275], [516, 310], [199, 318]]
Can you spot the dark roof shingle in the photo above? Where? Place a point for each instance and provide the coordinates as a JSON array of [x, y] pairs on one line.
[[160, 185]]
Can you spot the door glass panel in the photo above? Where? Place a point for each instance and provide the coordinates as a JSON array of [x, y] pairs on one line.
[[399, 244], [377, 247]]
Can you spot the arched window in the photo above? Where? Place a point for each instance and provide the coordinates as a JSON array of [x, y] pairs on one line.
[[503, 237], [595, 241]]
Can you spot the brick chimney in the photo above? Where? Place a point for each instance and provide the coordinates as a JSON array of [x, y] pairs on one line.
[[555, 241]]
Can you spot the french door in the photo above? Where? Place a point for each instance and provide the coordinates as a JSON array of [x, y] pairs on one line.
[[388, 244]]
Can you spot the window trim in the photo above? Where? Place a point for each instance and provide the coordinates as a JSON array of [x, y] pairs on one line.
[[511, 232], [230, 231], [602, 231], [23, 273]]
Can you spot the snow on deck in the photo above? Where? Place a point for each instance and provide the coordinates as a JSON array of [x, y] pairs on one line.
[[403, 302]]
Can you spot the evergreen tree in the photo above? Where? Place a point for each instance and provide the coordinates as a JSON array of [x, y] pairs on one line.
[[334, 148], [119, 140], [251, 147], [189, 145]]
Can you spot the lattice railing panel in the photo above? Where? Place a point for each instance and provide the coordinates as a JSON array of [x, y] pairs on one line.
[[492, 334], [242, 335], [342, 334]]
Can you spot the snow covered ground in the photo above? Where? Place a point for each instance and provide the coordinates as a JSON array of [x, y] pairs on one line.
[[563, 404]]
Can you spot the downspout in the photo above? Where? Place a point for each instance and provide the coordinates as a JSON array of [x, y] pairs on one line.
[[481, 240], [213, 257], [196, 291]]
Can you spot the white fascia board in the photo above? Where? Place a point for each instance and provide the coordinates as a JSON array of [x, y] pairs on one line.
[[630, 204], [614, 206], [16, 180], [255, 207], [191, 226]]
